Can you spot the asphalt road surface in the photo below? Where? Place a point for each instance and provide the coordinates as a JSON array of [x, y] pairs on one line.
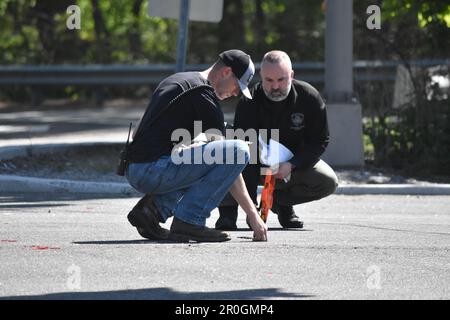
[[353, 247]]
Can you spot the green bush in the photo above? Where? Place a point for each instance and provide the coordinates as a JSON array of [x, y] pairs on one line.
[[415, 139]]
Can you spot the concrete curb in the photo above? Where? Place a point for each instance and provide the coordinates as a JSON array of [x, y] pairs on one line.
[[395, 189], [11, 183]]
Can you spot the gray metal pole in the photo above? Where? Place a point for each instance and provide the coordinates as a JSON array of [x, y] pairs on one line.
[[183, 27], [339, 51]]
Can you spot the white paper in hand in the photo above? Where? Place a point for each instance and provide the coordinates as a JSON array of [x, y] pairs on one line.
[[201, 138], [273, 153]]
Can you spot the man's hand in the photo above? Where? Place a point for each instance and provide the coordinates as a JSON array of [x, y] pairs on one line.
[[284, 170], [239, 191], [258, 226]]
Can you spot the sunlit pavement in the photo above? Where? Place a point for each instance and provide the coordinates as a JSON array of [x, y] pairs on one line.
[[69, 246]]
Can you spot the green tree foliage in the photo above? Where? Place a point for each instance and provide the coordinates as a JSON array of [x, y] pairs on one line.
[[35, 32], [414, 136]]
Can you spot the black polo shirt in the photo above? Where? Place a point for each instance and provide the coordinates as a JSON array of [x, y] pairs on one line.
[[195, 100]]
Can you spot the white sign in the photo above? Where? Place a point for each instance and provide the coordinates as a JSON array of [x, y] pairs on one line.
[[199, 10]]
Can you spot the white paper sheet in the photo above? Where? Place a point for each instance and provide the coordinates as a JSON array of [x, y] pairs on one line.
[[273, 153]]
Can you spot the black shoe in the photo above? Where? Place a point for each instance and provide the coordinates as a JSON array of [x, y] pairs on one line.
[[287, 216], [144, 217], [185, 232], [227, 218]]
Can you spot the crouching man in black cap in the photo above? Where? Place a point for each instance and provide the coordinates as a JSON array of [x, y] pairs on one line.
[[188, 182], [296, 109]]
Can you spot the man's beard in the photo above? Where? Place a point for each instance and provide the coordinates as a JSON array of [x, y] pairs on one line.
[[277, 95]]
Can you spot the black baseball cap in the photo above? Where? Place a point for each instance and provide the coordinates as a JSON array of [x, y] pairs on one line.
[[242, 66]]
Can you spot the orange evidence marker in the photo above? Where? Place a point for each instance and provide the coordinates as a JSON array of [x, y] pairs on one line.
[[267, 195]]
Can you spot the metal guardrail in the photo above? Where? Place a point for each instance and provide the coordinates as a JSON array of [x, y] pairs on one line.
[[98, 76], [60, 75]]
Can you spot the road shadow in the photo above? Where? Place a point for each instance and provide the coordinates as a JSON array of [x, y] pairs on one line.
[[165, 294], [274, 229], [116, 242], [162, 242], [288, 229], [148, 242]]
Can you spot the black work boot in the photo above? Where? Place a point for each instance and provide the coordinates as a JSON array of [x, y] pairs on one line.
[[184, 232], [287, 216], [145, 218], [227, 218]]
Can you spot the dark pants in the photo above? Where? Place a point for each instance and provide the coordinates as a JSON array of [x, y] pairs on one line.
[[304, 186]]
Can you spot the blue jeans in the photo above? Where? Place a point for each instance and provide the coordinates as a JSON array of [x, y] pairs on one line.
[[190, 191]]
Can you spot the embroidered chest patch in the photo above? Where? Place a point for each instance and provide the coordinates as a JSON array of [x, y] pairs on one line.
[[297, 120]]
